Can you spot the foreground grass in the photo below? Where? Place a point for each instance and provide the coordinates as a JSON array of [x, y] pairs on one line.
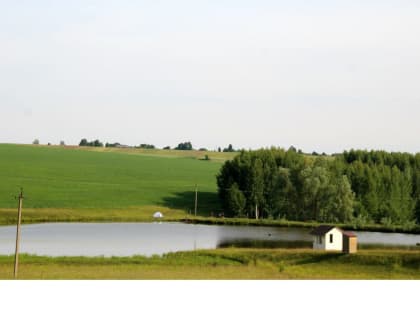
[[227, 263]]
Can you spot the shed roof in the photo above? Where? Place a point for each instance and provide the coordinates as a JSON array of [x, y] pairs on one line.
[[323, 229], [349, 234]]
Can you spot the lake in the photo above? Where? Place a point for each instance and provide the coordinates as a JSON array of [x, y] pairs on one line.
[[127, 239]]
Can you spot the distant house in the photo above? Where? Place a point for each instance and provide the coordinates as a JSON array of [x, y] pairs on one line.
[[331, 238]]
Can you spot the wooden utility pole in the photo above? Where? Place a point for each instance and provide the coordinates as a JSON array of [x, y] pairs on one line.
[[18, 233], [196, 200]]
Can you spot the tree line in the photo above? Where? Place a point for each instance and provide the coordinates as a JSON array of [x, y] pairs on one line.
[[95, 143], [184, 146], [355, 186]]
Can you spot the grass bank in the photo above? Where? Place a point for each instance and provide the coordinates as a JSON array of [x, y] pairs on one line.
[[226, 263], [298, 224], [134, 214], [145, 214]]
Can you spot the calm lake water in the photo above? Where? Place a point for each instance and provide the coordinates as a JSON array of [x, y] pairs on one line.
[[127, 239]]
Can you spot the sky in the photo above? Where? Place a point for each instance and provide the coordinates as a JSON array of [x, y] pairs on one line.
[[322, 76]]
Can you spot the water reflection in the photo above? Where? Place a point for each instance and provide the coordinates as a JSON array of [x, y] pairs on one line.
[[264, 244]]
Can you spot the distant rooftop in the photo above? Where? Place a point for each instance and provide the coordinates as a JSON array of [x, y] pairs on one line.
[[324, 229]]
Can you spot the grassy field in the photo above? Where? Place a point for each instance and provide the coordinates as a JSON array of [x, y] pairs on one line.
[[227, 263], [85, 184], [98, 184], [72, 182]]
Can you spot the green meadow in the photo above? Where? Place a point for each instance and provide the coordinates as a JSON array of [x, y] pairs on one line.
[[229, 263], [103, 183]]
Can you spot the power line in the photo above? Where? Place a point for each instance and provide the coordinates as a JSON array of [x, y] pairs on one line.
[[196, 200], [20, 197]]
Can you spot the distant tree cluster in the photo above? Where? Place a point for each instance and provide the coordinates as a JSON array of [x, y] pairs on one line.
[[184, 146], [229, 149], [36, 141], [314, 153], [146, 146], [112, 145], [167, 148], [356, 186], [85, 143]]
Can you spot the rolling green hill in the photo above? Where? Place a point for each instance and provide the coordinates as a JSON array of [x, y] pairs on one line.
[[91, 179]]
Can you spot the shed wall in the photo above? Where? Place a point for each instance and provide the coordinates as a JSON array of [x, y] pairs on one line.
[[349, 244], [317, 244], [337, 243]]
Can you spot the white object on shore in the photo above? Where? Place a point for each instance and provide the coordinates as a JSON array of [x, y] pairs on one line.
[[158, 215]]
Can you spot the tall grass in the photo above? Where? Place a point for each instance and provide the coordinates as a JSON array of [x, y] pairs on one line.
[[224, 264]]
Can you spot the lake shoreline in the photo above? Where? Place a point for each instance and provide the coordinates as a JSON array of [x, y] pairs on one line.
[[213, 221]]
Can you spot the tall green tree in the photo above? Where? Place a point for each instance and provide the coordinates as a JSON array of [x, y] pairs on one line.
[[256, 188], [184, 146], [236, 201], [339, 207], [284, 195], [316, 191]]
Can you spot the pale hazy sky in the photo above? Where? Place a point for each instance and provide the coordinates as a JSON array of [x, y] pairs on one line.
[[322, 75]]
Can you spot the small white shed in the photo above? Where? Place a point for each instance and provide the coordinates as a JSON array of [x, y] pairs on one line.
[[327, 237]]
